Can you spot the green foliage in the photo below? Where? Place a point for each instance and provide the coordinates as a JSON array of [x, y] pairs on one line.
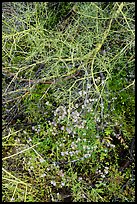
[[68, 101], [56, 12]]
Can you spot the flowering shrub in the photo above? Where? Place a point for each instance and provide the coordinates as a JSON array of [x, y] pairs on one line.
[[68, 102]]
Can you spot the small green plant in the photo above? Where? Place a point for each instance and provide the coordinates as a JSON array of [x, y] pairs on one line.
[[57, 11], [68, 102]]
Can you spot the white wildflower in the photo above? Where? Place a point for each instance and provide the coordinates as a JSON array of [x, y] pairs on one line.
[[31, 167], [33, 128], [97, 136], [83, 106], [41, 160], [43, 175], [77, 151], [112, 145], [105, 171], [47, 103], [62, 184], [80, 178], [83, 196], [53, 183], [71, 153], [29, 139], [76, 105], [61, 145], [84, 147], [95, 147], [62, 153], [68, 130], [87, 101], [61, 112], [73, 145], [78, 139], [88, 86], [66, 152], [62, 128], [54, 163], [87, 155], [54, 123], [60, 173], [80, 93]]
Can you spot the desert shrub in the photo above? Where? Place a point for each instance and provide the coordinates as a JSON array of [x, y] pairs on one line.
[[68, 105]]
